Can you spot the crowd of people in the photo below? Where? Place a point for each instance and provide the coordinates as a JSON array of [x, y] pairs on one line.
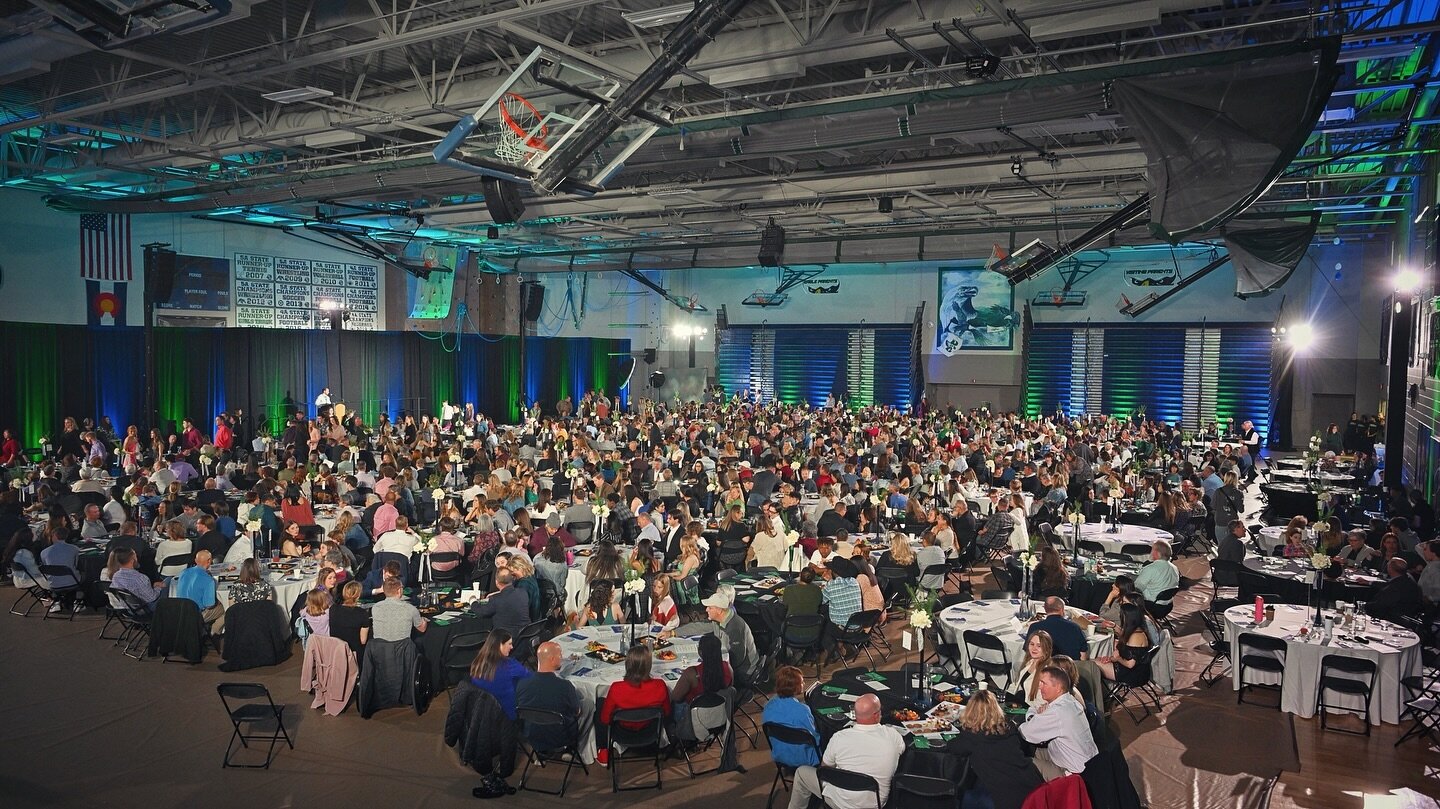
[[673, 495]]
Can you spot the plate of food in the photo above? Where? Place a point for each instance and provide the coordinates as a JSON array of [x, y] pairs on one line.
[[905, 715], [662, 643], [946, 711], [665, 655], [596, 646], [606, 656], [925, 727], [953, 698]]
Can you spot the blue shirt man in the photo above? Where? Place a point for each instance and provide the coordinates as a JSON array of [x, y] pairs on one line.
[[1069, 639]]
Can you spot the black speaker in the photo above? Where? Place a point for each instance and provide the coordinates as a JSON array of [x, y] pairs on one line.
[[657, 379], [650, 355], [772, 245], [162, 267], [502, 200], [534, 301]]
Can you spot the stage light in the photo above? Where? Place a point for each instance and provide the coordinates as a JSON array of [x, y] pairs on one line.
[[1407, 280], [329, 306], [1301, 336]]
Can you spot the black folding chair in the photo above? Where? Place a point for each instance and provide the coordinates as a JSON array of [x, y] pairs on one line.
[[929, 792], [1422, 705], [136, 620], [857, 634], [63, 592], [1353, 676], [933, 577], [1260, 653], [1118, 693], [567, 753], [852, 781], [786, 734], [528, 641], [1132, 550], [36, 591], [805, 633], [639, 743], [1162, 606], [710, 719], [1214, 636], [1089, 547], [179, 560], [249, 712], [445, 557], [975, 640], [457, 656]]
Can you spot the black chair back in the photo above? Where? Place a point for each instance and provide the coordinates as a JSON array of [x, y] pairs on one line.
[[637, 728], [851, 781], [1225, 573], [1134, 549], [1090, 547], [459, 654]]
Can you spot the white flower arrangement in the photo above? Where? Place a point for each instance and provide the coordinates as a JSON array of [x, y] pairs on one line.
[[920, 619], [712, 488], [454, 457], [792, 538], [1076, 518], [438, 494], [1029, 560], [17, 484], [795, 465], [990, 464], [1319, 561], [572, 473], [601, 511], [634, 586], [252, 526], [422, 546]]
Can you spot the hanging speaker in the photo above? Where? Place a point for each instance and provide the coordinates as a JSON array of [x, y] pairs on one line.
[[650, 355], [502, 200], [772, 245], [657, 379], [534, 301], [162, 269]]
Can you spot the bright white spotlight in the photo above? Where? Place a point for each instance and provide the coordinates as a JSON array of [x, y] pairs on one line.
[[1301, 336], [329, 305], [1407, 280], [683, 330]]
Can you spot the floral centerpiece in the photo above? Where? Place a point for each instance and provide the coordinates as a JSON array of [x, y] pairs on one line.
[[1319, 561], [1312, 452], [1028, 562], [1075, 516]]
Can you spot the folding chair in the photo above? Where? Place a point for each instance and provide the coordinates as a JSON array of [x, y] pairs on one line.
[[857, 634], [136, 621], [567, 753], [1261, 653], [445, 557], [250, 712], [786, 734], [644, 742], [975, 640], [1341, 674], [710, 718], [1214, 636], [1422, 705], [1162, 606], [805, 633], [37, 590], [61, 592], [457, 656], [528, 641], [852, 781], [1118, 693]]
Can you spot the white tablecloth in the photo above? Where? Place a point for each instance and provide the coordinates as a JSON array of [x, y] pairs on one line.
[[1128, 535], [1302, 661], [593, 677], [998, 618], [1271, 537], [1324, 477]]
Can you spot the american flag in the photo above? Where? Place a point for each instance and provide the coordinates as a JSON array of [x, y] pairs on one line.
[[105, 247]]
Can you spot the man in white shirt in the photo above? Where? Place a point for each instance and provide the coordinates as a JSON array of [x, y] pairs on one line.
[[88, 483], [1060, 724], [866, 747], [323, 400], [163, 476], [1159, 575], [114, 511], [400, 540], [648, 530]]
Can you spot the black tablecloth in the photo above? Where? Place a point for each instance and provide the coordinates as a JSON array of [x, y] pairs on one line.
[[1300, 591], [435, 638]]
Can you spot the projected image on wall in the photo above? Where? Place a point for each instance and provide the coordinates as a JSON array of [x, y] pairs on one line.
[[977, 311]]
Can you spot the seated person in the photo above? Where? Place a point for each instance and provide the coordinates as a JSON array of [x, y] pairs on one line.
[[496, 672], [1039, 648], [1130, 664], [126, 577], [1061, 726], [393, 618], [995, 751], [251, 585], [548, 691], [1069, 639], [638, 689], [663, 612], [788, 708], [710, 676], [349, 621], [866, 747], [804, 596], [824, 552], [508, 608], [198, 585], [600, 609], [316, 613], [1399, 597], [1354, 553], [842, 594]]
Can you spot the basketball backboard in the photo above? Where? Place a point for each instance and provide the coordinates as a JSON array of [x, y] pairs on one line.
[[543, 103]]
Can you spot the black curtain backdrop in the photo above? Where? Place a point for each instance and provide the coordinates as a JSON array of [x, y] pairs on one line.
[[56, 371]]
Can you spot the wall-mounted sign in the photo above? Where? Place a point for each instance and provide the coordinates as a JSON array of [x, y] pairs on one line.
[[1157, 277], [281, 292]]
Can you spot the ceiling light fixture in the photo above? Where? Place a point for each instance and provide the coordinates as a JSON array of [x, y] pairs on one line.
[[1017, 167], [658, 17], [296, 94]]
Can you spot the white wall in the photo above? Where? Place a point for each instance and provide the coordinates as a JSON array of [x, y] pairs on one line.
[[40, 254]]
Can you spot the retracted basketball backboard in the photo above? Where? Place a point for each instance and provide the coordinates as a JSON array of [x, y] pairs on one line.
[[544, 102]]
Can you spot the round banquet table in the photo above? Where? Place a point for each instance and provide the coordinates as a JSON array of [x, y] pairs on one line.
[[576, 593], [1293, 579], [1270, 538], [288, 584], [1327, 478], [1396, 652], [998, 618], [1128, 535], [594, 676]]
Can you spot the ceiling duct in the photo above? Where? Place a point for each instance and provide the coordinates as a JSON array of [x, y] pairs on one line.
[[682, 45]]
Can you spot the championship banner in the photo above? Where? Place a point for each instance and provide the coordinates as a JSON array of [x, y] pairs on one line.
[[1158, 277]]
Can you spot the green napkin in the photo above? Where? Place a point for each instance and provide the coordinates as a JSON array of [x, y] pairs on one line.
[[833, 689], [921, 743], [831, 711]]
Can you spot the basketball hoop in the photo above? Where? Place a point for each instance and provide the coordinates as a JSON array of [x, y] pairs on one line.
[[523, 132]]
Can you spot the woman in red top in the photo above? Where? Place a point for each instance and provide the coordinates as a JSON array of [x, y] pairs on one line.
[[9, 450], [637, 690]]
